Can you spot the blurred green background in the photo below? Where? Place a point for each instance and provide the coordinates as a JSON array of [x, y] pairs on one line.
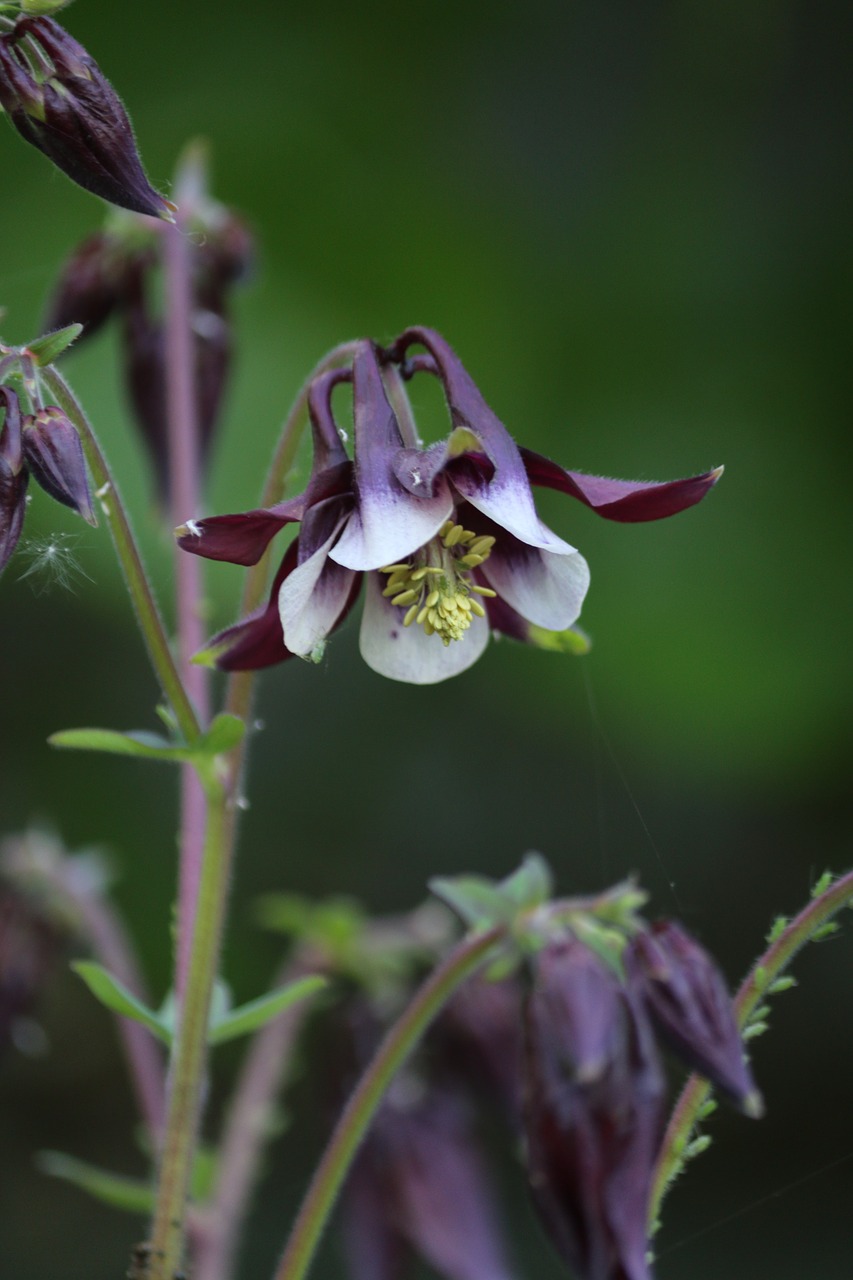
[[633, 223]]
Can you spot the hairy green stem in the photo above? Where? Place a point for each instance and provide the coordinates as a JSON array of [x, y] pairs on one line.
[[754, 988], [187, 1071], [141, 594], [364, 1102]]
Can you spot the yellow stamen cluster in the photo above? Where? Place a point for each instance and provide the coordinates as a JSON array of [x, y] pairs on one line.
[[436, 589]]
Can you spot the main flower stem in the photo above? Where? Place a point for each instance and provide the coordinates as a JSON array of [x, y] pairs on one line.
[[363, 1104], [141, 594], [184, 472], [753, 990]]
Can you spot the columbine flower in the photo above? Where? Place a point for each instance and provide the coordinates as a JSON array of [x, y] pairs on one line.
[[59, 100], [595, 1092], [46, 445], [684, 992], [447, 536]]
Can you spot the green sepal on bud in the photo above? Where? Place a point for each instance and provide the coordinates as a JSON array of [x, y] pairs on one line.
[[43, 8], [573, 640]]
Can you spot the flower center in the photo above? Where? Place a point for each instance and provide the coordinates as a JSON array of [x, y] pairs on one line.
[[436, 589]]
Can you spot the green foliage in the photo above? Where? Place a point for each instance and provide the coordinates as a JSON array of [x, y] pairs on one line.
[[130, 1194], [116, 997], [256, 1013]]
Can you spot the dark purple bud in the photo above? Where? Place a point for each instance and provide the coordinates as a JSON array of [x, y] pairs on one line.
[[686, 996], [14, 476], [594, 1107], [59, 100], [54, 455], [90, 286], [482, 1042], [145, 371]]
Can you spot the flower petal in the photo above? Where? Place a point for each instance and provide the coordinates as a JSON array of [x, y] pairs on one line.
[[388, 524], [408, 653], [548, 590], [506, 496], [623, 500], [312, 599], [13, 506]]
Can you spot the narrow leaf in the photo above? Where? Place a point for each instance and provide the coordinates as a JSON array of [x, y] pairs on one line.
[[114, 1189], [476, 900], [140, 743], [225, 733], [116, 997], [531, 885], [248, 1017]]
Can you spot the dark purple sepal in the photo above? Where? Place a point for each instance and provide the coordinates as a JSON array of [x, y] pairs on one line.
[[241, 538], [373, 1248], [592, 1137], [11, 433], [54, 455], [687, 998], [77, 119], [628, 501]]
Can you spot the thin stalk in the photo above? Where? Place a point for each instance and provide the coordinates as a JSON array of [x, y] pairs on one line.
[[364, 1102], [187, 1072], [753, 990], [238, 697], [184, 471], [141, 594], [247, 1130]]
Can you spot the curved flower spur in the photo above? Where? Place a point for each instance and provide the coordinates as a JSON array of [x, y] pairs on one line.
[[447, 535]]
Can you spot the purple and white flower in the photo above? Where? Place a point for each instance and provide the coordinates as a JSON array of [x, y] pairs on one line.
[[447, 536]]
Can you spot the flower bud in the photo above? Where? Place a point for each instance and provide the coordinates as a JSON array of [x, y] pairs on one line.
[[685, 994], [13, 476], [59, 100], [594, 1099], [91, 285], [55, 456]]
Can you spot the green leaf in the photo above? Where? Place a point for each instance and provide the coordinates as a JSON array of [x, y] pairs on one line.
[[114, 1189], [478, 901], [140, 743], [531, 885], [116, 997], [225, 733], [47, 349], [248, 1017]]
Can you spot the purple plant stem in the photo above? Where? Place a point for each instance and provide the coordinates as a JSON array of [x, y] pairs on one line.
[[247, 1129], [184, 490]]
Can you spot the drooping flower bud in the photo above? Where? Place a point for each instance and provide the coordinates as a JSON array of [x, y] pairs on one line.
[[91, 284], [55, 456], [59, 100], [594, 1098], [420, 1182], [687, 999], [14, 476]]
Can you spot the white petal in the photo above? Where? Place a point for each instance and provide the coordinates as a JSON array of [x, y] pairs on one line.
[[509, 502], [408, 653], [390, 525], [548, 590], [311, 599]]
